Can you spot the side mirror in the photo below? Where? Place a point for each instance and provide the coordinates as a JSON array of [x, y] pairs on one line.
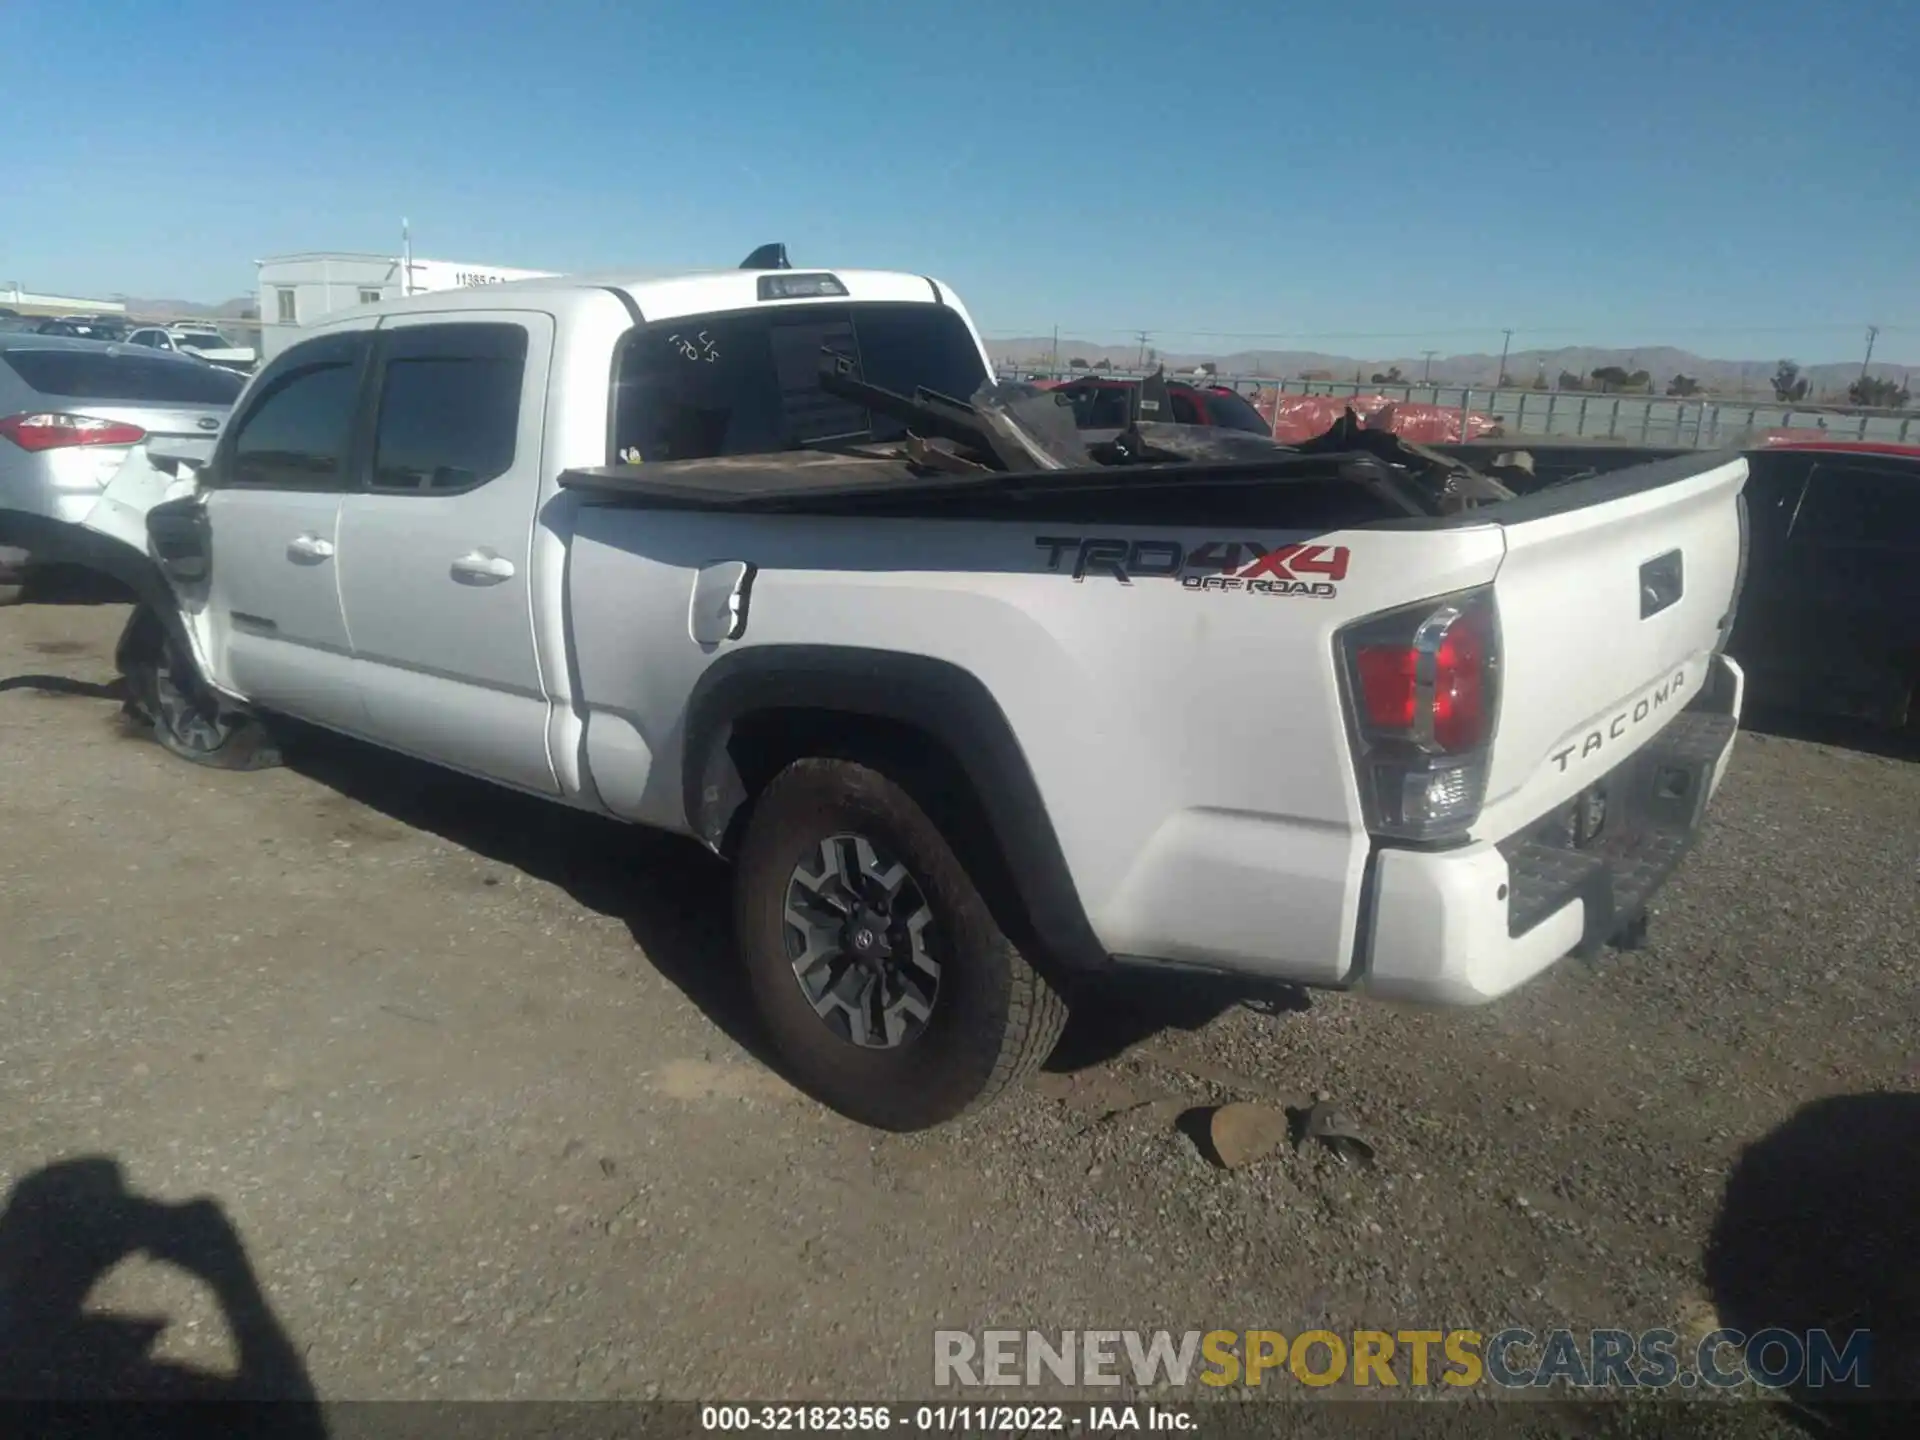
[[178, 535]]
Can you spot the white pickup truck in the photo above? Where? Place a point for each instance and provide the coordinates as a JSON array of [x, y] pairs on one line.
[[980, 706]]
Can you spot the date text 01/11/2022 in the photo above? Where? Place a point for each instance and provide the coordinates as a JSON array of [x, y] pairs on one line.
[[947, 1419]]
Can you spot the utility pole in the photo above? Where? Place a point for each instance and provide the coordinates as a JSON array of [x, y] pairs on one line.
[[1506, 339], [1144, 336], [1426, 373], [1873, 333], [1056, 351]]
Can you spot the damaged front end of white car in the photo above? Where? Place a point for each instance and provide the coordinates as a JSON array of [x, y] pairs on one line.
[[147, 532]]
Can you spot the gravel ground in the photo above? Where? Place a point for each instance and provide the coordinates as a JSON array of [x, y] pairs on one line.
[[471, 1080]]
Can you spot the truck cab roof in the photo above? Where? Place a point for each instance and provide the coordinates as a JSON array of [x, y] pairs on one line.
[[671, 296]]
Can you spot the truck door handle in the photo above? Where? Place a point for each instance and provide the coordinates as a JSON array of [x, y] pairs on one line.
[[478, 568], [309, 549]]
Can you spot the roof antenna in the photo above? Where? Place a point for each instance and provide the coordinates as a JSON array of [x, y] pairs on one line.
[[768, 257]]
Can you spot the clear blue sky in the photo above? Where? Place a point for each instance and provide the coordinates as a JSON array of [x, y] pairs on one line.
[[1372, 179]]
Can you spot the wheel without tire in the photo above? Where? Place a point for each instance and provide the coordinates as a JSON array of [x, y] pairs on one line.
[[164, 689], [888, 989]]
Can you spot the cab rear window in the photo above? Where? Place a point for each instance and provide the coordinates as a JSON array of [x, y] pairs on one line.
[[747, 382], [133, 379]]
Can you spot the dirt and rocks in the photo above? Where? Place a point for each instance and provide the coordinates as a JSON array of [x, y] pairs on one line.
[[472, 1080]]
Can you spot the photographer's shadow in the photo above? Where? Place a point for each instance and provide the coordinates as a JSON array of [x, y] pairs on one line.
[[1819, 1230], [64, 1228]]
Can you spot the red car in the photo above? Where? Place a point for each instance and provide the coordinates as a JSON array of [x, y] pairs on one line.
[[1104, 404]]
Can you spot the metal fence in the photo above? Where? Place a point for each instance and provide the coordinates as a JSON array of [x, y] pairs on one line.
[[1705, 422]]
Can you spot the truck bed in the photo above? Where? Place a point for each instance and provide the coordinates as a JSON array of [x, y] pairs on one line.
[[809, 478], [1287, 489]]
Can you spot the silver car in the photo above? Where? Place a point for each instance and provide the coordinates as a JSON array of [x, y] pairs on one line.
[[76, 416]]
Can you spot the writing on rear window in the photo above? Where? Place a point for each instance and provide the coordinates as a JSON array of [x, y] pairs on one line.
[[748, 382], [699, 348]]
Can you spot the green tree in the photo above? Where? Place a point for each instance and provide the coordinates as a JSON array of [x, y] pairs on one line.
[[1788, 382], [1618, 380], [1568, 381], [1102, 364], [1878, 393], [1391, 377], [1077, 363], [1683, 385]]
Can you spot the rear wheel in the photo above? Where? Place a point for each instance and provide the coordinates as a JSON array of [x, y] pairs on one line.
[[887, 987], [164, 690]]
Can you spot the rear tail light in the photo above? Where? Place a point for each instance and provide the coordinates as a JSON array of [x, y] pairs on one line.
[[1422, 697], [60, 432]]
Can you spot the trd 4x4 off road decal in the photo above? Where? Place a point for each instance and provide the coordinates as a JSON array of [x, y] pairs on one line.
[[1251, 566]]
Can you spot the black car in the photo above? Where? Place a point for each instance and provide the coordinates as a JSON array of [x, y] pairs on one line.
[[85, 327]]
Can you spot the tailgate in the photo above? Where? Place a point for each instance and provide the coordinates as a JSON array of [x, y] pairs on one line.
[[1613, 595]]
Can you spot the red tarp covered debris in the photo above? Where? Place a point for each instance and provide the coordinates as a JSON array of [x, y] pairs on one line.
[[1302, 417]]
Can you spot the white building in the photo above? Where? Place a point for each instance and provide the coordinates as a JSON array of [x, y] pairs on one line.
[[16, 300], [297, 290]]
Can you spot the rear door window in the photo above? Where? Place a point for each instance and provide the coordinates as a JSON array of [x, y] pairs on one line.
[[1110, 408], [1851, 505], [123, 379], [747, 383], [1080, 400], [298, 424], [449, 406]]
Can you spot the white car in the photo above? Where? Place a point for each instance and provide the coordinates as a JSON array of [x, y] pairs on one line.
[[982, 707], [203, 342]]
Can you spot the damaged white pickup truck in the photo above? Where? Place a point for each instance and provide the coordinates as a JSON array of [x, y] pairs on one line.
[[980, 706]]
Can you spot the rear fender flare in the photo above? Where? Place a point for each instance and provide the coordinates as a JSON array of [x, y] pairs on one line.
[[938, 700]]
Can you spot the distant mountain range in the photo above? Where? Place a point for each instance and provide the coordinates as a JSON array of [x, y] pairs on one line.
[[237, 308], [1661, 362]]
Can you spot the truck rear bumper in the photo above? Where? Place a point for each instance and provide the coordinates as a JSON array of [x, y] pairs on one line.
[[1464, 926]]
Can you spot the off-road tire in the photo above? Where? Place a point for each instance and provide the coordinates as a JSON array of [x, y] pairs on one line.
[[995, 1019], [164, 692]]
